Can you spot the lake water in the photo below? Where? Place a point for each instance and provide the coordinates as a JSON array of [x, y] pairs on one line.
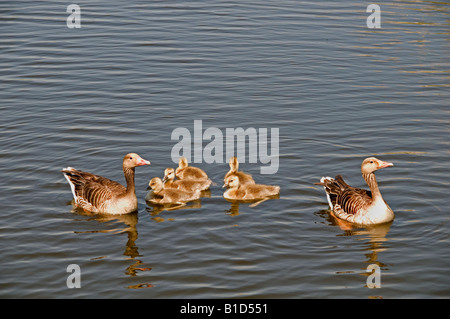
[[135, 71]]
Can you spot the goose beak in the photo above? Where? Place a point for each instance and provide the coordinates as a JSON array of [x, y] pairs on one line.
[[140, 161], [164, 179], [148, 187], [386, 164]]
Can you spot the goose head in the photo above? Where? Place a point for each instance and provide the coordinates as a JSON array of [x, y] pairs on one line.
[[156, 184], [371, 164], [131, 160], [169, 175], [231, 182]]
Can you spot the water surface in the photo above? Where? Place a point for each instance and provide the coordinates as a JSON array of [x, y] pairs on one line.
[[135, 71]]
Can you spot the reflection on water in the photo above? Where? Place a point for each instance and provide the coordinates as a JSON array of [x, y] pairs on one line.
[[375, 233], [234, 208], [374, 237], [137, 266], [139, 286], [123, 224], [155, 209], [128, 221]]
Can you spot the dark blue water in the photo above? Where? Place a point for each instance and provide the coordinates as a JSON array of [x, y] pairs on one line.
[[136, 71]]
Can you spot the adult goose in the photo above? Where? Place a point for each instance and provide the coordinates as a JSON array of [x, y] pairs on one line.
[[184, 171], [244, 178], [98, 194], [357, 205]]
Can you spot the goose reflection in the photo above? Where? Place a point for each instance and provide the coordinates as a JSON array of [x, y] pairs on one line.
[[124, 224], [155, 209], [234, 208], [374, 234]]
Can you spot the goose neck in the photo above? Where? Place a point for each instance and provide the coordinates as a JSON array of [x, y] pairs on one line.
[[129, 178], [373, 185]]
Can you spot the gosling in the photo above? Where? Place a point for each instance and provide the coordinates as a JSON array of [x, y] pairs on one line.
[[244, 178], [237, 191], [170, 195], [184, 171], [187, 185]]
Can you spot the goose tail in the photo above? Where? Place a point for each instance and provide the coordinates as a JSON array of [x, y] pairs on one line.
[[333, 187]]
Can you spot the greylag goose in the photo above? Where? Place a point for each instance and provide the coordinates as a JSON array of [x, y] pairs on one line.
[[101, 195], [244, 178], [237, 191], [357, 205], [184, 171], [169, 195], [187, 185]]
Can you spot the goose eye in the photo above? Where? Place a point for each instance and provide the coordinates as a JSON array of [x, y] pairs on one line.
[[371, 162], [131, 157]]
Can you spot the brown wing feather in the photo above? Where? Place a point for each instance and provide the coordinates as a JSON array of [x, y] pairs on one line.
[[348, 198], [340, 180], [92, 191], [353, 199]]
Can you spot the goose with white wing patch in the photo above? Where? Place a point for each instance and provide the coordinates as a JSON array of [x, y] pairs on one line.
[[357, 205]]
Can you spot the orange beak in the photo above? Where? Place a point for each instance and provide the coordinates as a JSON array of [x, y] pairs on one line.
[[385, 164], [140, 161]]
